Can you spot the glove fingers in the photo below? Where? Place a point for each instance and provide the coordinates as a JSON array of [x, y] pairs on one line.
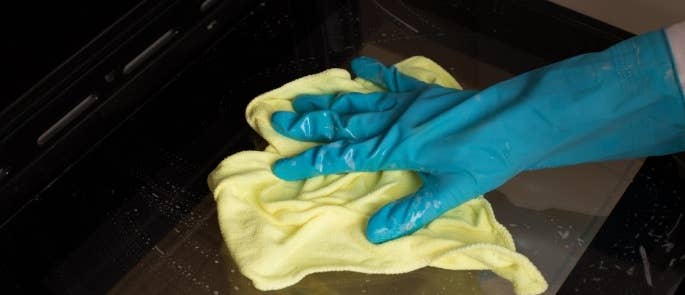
[[333, 158], [314, 126], [327, 126], [312, 102], [343, 104], [402, 217], [386, 77]]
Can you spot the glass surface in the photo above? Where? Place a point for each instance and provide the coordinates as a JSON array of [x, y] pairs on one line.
[[154, 228]]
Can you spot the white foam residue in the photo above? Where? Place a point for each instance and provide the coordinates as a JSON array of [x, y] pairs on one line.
[[645, 264]]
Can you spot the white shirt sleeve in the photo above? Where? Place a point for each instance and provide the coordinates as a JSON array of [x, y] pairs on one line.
[[676, 38]]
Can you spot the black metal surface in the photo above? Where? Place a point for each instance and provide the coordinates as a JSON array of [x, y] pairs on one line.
[[539, 27], [34, 163], [38, 38], [83, 231]]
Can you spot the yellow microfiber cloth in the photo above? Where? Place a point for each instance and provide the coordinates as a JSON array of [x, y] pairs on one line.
[[279, 231]]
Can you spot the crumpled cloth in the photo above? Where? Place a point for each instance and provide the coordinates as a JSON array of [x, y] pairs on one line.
[[279, 231]]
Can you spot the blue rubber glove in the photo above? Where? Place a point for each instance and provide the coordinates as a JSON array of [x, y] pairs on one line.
[[619, 103]]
